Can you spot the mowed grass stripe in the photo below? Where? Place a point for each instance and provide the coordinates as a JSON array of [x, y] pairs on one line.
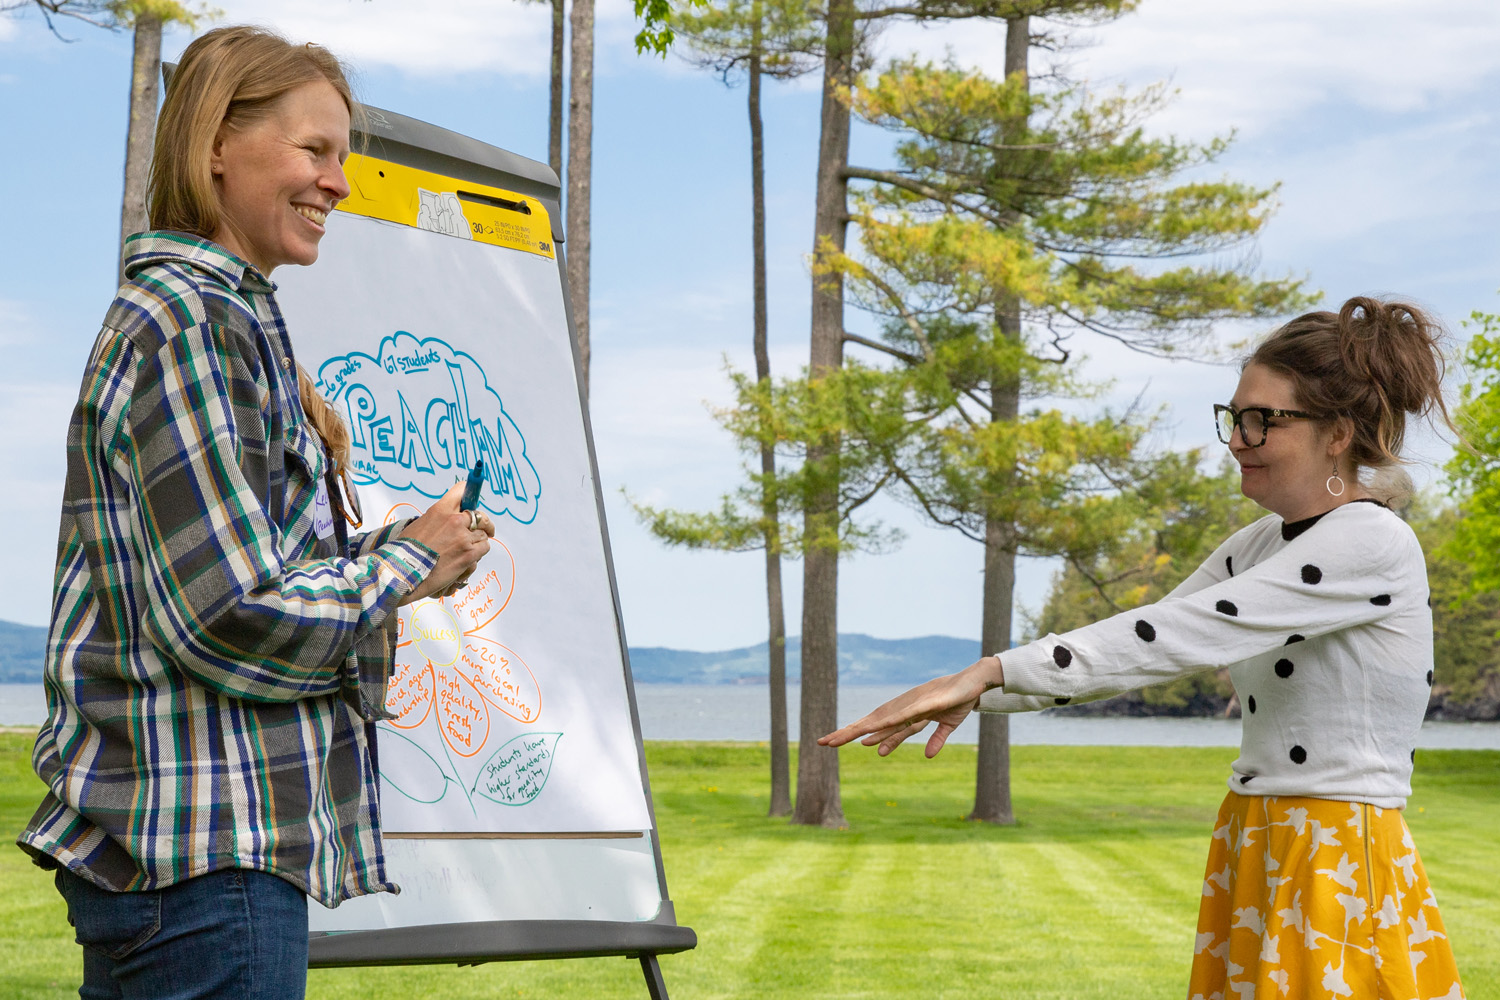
[[1093, 894]]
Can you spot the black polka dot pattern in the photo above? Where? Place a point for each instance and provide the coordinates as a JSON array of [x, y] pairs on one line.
[[1229, 564], [1294, 637], [1381, 600], [1227, 608], [1145, 630], [1284, 668], [1061, 701], [1062, 655], [1250, 704], [1311, 574], [1298, 755]]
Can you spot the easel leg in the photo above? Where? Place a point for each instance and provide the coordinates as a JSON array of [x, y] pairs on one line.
[[654, 982]]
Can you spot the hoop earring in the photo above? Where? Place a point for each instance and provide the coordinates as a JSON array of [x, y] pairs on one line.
[[1335, 478]]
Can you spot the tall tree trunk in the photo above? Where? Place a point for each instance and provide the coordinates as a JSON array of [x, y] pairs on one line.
[[555, 109], [818, 800], [145, 85], [781, 781], [580, 165], [992, 775]]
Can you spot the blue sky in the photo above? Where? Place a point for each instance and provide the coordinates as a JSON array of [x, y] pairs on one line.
[[1378, 118]]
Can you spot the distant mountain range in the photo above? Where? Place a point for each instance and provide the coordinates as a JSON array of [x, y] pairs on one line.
[[863, 659], [21, 649]]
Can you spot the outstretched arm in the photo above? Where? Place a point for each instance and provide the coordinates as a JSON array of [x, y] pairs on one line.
[[944, 700]]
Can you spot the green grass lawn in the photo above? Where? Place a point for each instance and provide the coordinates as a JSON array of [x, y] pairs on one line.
[[1093, 894]]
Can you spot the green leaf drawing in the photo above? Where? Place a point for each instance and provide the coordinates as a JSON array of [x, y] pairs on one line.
[[423, 779], [517, 772]]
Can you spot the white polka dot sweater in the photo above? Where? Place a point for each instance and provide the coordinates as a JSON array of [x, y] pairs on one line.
[[1326, 631]]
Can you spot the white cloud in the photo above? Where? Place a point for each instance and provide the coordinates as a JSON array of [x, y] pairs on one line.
[[1251, 65], [509, 38], [17, 327], [29, 504]]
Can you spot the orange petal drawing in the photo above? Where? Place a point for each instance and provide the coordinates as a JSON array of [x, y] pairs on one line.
[[483, 599], [463, 716], [403, 619], [410, 694], [400, 511], [502, 677]]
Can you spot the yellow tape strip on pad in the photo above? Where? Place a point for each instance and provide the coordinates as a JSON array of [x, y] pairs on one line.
[[380, 189]]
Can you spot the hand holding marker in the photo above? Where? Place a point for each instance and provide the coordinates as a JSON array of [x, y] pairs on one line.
[[470, 502], [471, 492]]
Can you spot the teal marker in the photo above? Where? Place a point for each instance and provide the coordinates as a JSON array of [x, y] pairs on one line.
[[471, 488]]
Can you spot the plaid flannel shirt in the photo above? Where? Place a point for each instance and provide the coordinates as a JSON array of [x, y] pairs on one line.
[[214, 666]]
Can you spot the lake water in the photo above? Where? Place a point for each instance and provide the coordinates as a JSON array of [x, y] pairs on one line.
[[742, 712]]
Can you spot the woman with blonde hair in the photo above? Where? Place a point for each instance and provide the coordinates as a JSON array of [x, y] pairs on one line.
[[220, 644], [1319, 610]]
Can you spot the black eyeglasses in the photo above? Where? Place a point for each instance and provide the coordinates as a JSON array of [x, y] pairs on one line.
[[1252, 422]]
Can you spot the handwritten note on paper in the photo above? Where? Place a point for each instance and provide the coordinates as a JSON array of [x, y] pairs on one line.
[[439, 352], [420, 412], [449, 672], [518, 771]]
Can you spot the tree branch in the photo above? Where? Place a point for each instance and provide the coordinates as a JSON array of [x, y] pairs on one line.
[[948, 522], [1097, 584], [854, 338]]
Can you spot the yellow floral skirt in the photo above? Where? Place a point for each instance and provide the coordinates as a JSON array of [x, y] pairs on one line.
[[1314, 898]]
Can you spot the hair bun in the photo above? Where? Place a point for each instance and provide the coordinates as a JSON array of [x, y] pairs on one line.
[[1396, 348], [1373, 362]]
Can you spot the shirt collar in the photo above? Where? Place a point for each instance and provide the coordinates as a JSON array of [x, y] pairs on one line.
[[163, 246], [1291, 529]]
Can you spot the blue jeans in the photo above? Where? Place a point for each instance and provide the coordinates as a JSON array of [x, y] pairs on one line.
[[231, 933]]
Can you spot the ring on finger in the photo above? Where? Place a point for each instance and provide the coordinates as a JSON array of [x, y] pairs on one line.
[[473, 520]]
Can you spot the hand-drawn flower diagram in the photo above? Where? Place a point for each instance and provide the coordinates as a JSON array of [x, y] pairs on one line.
[[449, 672]]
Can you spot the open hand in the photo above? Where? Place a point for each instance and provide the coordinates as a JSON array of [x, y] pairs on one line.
[[446, 530], [944, 700]]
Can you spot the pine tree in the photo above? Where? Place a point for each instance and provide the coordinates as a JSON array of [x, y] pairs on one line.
[[1018, 219], [780, 39]]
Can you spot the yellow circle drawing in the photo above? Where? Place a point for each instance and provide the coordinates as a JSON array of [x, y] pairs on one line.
[[436, 632]]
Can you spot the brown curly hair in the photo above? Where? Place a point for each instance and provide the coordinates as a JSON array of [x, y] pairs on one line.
[[1372, 362]]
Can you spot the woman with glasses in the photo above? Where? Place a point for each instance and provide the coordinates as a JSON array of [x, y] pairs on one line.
[[1319, 610]]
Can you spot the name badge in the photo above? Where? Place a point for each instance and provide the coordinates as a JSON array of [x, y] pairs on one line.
[[322, 512]]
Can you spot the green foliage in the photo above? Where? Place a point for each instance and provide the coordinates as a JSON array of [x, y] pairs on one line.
[[1054, 197], [861, 409], [786, 34], [119, 14], [1018, 218], [1465, 616], [127, 12], [657, 33], [1474, 470]]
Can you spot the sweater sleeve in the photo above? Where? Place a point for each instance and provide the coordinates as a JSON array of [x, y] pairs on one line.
[[1217, 567], [1344, 572]]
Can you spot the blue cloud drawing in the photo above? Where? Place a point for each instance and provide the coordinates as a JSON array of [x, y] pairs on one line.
[[421, 414]]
